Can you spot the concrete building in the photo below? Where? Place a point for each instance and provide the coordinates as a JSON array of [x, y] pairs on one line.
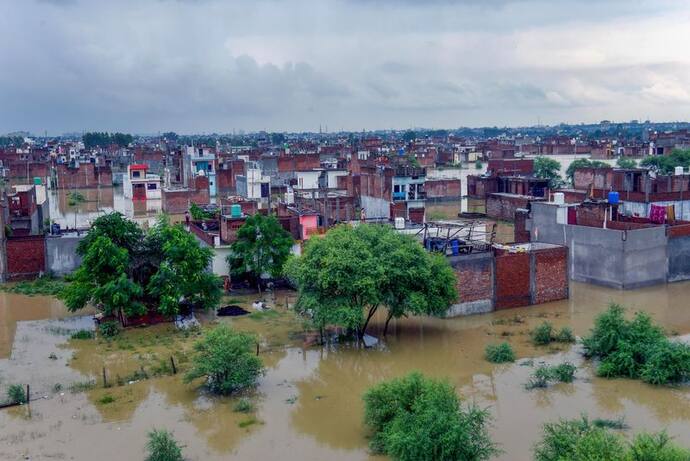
[[141, 185], [200, 159]]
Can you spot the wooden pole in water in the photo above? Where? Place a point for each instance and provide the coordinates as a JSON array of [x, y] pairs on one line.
[[172, 362], [257, 348], [105, 381], [28, 394]]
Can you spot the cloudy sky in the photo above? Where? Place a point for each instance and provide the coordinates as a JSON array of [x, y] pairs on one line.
[[221, 65]]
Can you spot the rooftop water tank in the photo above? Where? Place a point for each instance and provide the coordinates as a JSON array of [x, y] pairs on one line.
[[614, 198], [559, 198], [399, 223], [236, 211], [678, 170]]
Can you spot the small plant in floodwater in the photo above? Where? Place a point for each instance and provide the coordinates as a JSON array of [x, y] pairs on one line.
[[16, 394], [499, 353], [109, 329], [82, 334], [162, 446], [291, 400], [52, 356], [618, 423], [541, 335], [565, 335], [247, 422], [243, 405], [106, 399], [57, 387], [545, 374]]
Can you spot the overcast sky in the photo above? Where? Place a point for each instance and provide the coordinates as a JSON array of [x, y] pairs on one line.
[[144, 66]]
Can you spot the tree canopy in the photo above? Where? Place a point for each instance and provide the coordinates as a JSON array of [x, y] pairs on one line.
[[626, 162], [548, 168], [667, 164], [126, 272], [103, 139], [583, 163], [262, 247], [344, 277]]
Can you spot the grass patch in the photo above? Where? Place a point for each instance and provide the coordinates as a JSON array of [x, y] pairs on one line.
[[247, 422], [264, 315], [499, 353], [109, 329], [618, 423], [82, 334], [106, 399], [243, 405], [43, 286], [16, 394], [545, 334], [547, 374], [81, 386]]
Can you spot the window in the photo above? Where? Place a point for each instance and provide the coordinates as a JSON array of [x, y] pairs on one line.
[[152, 186], [136, 174]]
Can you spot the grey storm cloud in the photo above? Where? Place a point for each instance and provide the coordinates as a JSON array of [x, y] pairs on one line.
[[212, 65]]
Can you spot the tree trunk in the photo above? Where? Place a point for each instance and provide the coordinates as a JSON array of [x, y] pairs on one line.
[[388, 319], [372, 311]]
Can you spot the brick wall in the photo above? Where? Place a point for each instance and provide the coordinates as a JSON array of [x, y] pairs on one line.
[[512, 166], [502, 206], [550, 275], [474, 279], [86, 176], [443, 188], [512, 280], [520, 232], [26, 256]]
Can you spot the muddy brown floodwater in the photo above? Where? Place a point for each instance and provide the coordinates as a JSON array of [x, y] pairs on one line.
[[308, 404]]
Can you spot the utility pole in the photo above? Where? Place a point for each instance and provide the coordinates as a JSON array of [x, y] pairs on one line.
[[3, 237]]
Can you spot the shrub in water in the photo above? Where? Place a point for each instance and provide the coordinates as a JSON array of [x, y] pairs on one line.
[[243, 405], [545, 374], [541, 335], [226, 359], [109, 328], [636, 349], [565, 372], [499, 353], [162, 446], [565, 335], [16, 394], [656, 447], [415, 418], [82, 334]]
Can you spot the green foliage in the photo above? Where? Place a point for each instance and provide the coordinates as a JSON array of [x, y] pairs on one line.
[[418, 418], [618, 423], [44, 286], [16, 394], [548, 168], [106, 399], [226, 359], [626, 162], [545, 374], [582, 440], [123, 269], [565, 335], [409, 136], [243, 405], [162, 446], [345, 276], [103, 139], [262, 246], [542, 335], [109, 329], [82, 334], [667, 164], [199, 214], [583, 163], [499, 353], [6, 141], [636, 349], [478, 164], [75, 198]]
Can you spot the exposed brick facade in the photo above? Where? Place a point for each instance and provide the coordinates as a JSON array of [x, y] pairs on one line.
[[86, 176], [550, 275], [475, 281], [503, 206], [443, 188], [512, 280], [26, 256]]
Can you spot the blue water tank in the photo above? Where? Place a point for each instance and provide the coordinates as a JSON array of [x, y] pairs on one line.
[[614, 198], [236, 210], [455, 246]]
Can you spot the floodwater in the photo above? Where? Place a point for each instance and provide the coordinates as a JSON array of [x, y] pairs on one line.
[[308, 404]]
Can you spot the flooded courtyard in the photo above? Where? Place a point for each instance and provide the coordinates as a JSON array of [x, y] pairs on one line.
[[308, 404]]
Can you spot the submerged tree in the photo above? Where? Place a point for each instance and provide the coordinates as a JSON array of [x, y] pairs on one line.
[[162, 446], [262, 246], [226, 359], [418, 418], [124, 272], [346, 276]]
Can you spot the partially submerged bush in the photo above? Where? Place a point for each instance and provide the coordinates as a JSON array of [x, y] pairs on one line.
[[162, 446], [226, 359], [243, 405], [545, 374], [636, 349], [109, 328], [542, 334], [416, 418], [499, 353], [565, 335], [16, 394], [581, 440]]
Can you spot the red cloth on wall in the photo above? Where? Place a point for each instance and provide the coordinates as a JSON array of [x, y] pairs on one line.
[[657, 214]]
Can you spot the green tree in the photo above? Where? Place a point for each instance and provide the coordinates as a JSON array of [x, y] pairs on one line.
[[626, 162], [183, 273], [409, 136], [120, 230], [262, 246], [583, 163], [667, 164], [226, 359], [344, 277], [162, 446], [417, 418], [548, 168]]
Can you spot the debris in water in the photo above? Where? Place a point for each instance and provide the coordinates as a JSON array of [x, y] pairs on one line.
[[231, 311]]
